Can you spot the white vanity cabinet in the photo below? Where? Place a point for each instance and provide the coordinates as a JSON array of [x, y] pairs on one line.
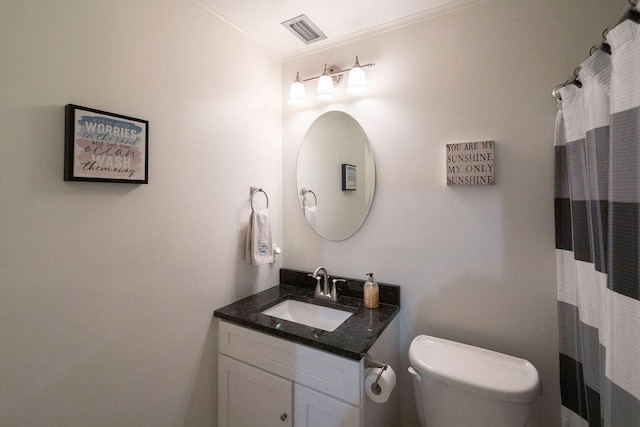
[[312, 408], [253, 397], [268, 381]]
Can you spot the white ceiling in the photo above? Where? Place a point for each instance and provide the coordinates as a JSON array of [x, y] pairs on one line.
[[340, 20]]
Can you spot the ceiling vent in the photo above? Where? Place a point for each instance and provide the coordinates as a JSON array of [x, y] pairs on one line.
[[304, 29]]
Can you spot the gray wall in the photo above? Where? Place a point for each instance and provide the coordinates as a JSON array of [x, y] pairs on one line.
[[107, 290], [476, 264]]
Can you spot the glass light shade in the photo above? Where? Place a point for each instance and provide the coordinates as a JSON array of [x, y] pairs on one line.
[[297, 93], [357, 81], [325, 88]]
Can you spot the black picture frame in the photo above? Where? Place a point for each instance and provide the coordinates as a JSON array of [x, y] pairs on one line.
[[349, 182], [105, 147]]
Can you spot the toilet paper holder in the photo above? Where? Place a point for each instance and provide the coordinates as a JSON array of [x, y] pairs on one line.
[[370, 363]]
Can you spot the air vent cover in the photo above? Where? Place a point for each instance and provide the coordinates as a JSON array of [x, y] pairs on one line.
[[302, 27]]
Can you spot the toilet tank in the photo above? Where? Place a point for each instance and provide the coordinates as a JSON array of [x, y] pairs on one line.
[[460, 385]]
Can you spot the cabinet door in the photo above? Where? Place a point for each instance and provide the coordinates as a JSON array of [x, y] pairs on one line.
[[250, 397], [314, 409]]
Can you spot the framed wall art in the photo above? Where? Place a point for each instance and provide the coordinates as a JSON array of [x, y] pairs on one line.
[[471, 163], [348, 177], [105, 147]]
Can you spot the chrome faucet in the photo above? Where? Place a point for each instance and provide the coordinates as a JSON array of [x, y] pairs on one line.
[[325, 293], [316, 275]]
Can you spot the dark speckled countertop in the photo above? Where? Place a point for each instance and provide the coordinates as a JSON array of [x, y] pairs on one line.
[[352, 339]]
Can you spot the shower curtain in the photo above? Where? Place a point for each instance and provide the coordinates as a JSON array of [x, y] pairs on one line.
[[597, 236]]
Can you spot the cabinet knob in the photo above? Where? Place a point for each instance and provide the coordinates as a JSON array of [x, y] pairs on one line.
[[283, 417]]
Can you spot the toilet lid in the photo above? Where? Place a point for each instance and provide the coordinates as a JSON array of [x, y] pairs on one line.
[[475, 369]]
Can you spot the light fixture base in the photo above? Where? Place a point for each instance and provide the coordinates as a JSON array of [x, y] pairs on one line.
[[336, 74]]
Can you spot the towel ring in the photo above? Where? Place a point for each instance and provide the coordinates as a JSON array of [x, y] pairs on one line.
[[304, 195], [259, 190]]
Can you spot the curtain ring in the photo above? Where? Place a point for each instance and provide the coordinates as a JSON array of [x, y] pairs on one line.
[[605, 33], [593, 49], [576, 71], [632, 3]]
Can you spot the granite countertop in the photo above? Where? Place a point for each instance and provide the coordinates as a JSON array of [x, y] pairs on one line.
[[352, 339]]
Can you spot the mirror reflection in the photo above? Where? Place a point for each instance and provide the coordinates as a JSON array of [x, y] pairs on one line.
[[336, 175]]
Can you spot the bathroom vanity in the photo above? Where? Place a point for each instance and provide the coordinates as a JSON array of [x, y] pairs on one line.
[[275, 372]]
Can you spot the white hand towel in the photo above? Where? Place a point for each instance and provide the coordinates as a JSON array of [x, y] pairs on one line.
[[259, 248], [247, 251], [311, 214]]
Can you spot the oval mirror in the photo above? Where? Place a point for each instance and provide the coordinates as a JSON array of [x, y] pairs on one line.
[[336, 176]]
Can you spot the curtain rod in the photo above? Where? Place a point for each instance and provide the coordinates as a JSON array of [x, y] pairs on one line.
[[631, 11]]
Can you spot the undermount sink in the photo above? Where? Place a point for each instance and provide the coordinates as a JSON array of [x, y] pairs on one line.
[[316, 316]]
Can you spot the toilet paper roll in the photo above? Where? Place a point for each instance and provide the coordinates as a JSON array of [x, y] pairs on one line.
[[386, 384]]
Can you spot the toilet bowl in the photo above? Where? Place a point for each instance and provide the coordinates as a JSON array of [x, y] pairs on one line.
[[460, 385]]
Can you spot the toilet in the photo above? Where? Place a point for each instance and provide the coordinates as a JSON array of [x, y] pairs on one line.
[[460, 385]]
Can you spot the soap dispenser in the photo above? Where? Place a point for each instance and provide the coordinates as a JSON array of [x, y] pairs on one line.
[[371, 292]]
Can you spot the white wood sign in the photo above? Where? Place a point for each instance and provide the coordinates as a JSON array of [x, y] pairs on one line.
[[471, 163]]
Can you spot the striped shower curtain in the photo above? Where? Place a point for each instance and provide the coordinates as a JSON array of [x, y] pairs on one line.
[[597, 236]]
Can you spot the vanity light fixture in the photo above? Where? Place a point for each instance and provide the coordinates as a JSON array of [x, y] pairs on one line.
[[357, 82], [330, 77], [297, 93], [325, 86]]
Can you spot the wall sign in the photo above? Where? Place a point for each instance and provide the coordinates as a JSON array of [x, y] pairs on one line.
[[471, 163], [105, 147]]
